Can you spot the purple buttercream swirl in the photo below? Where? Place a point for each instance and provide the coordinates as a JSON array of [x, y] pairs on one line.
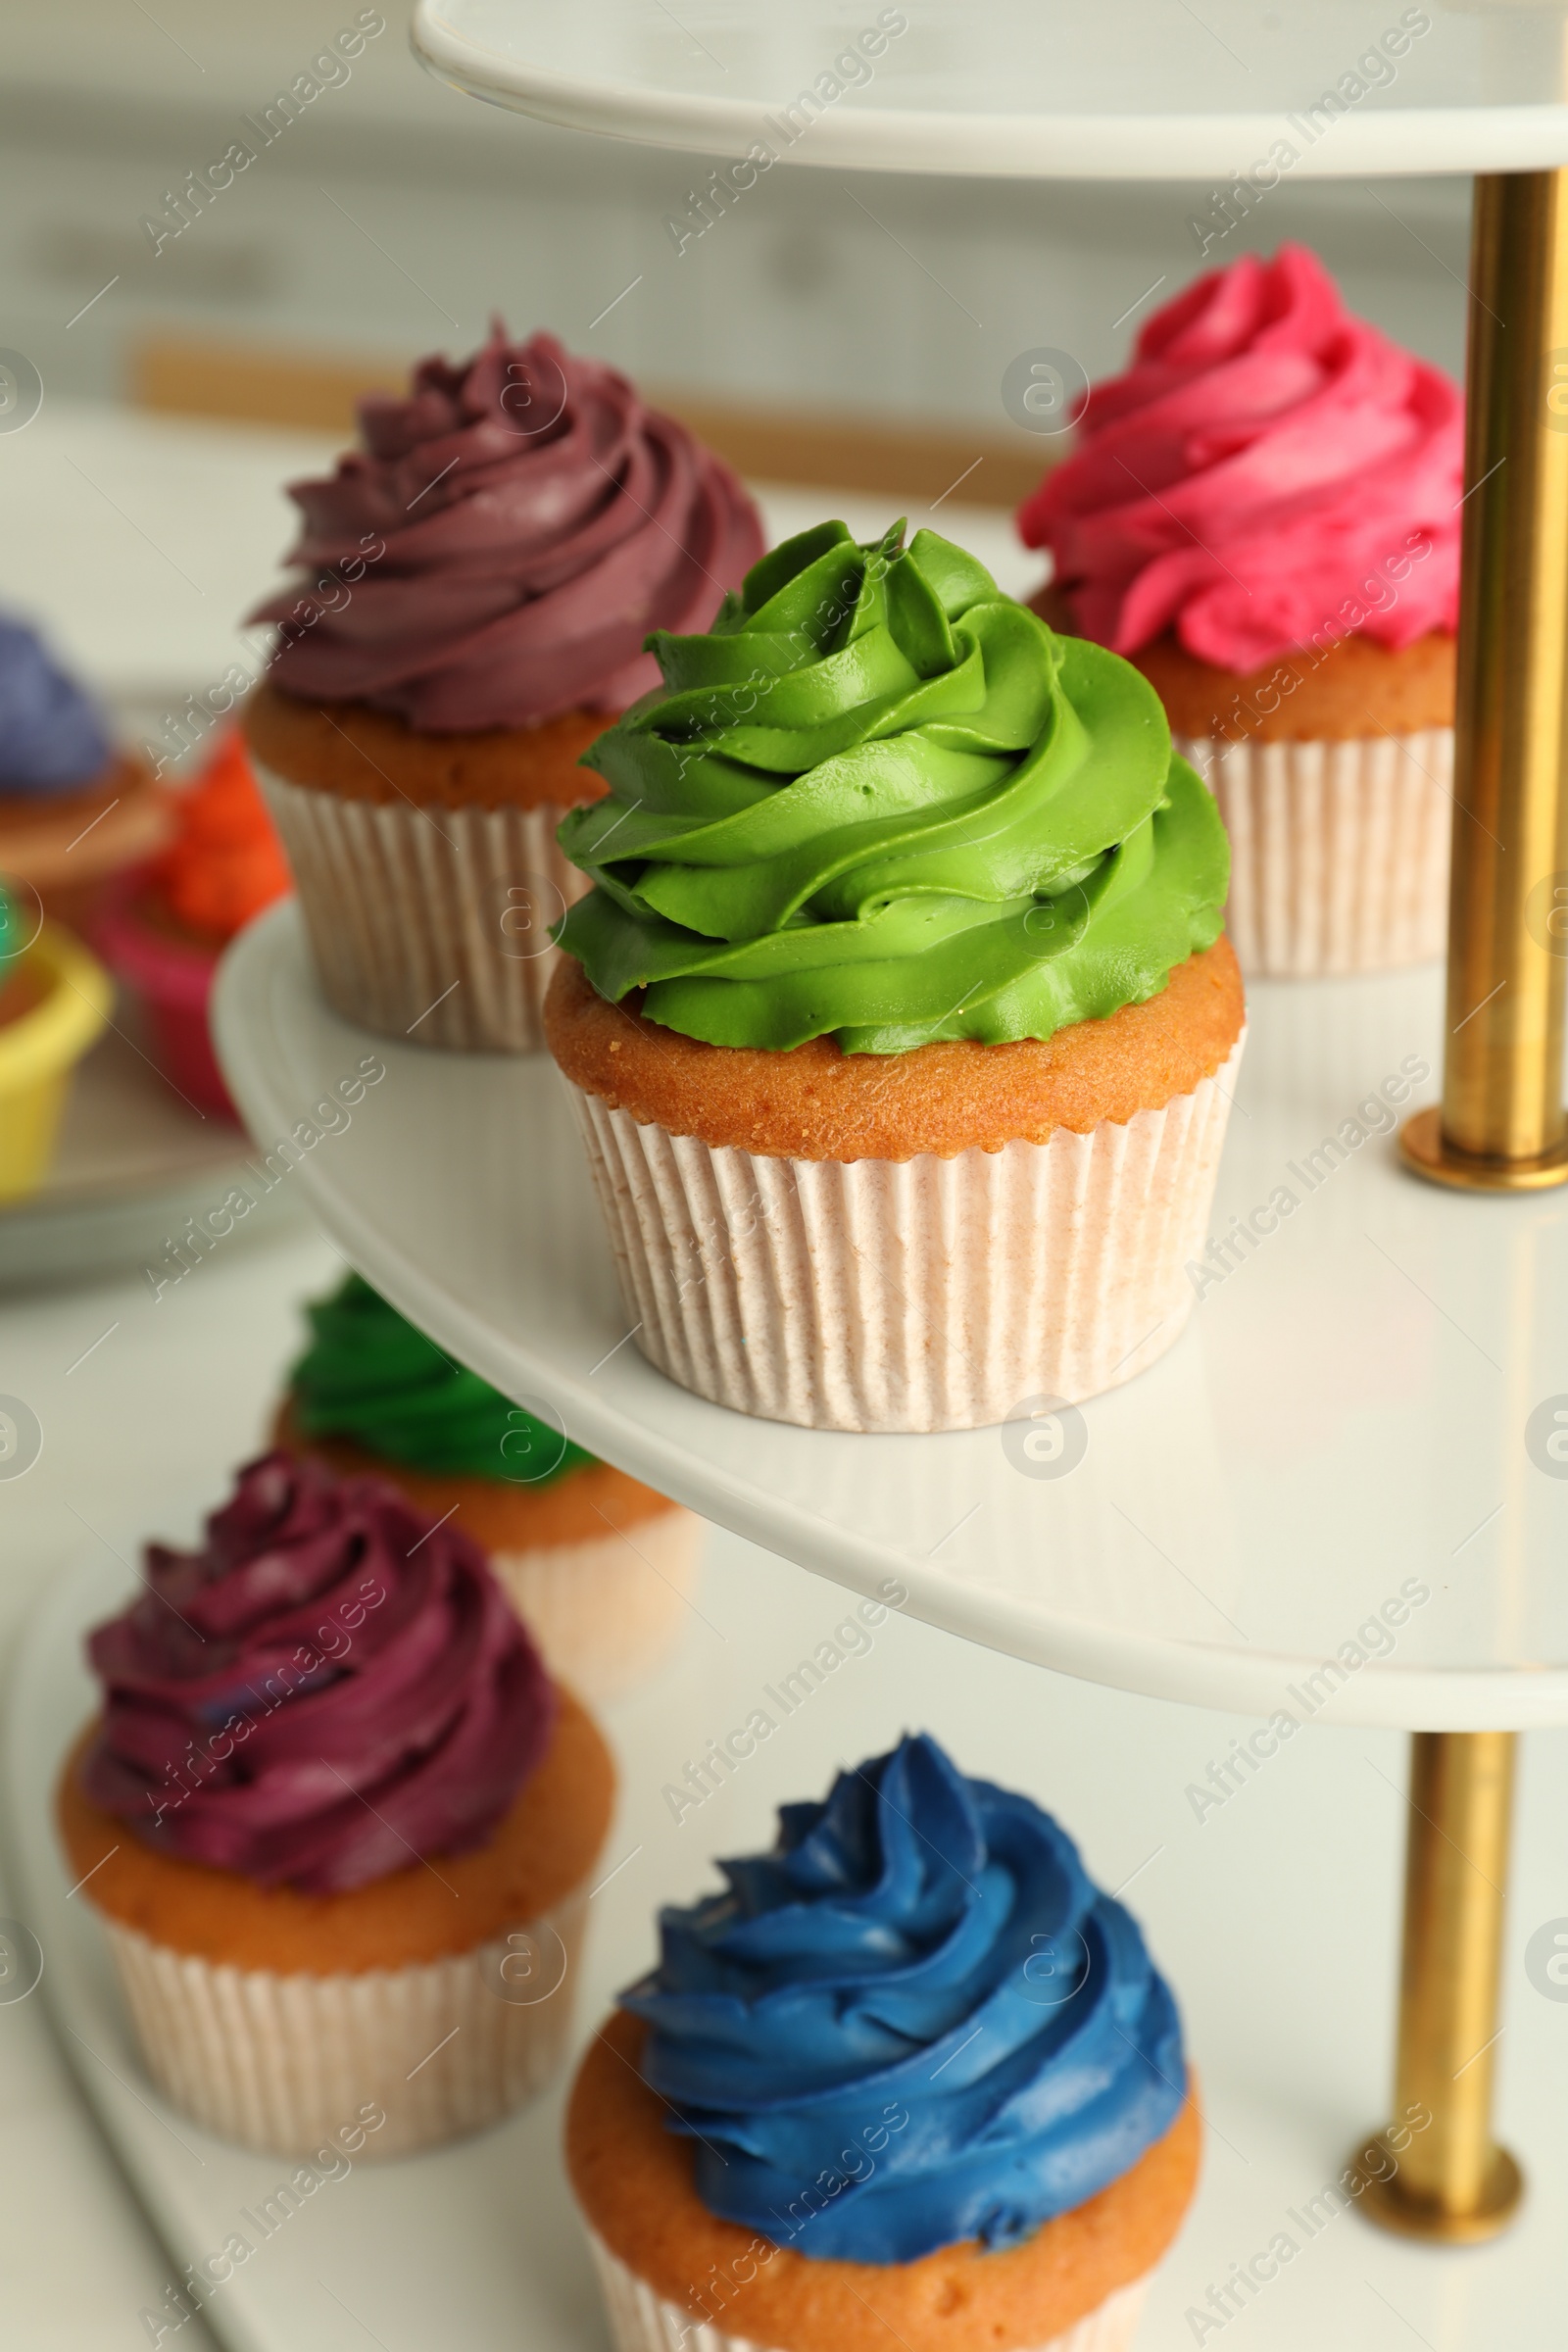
[[536, 522], [52, 739], [332, 1688]]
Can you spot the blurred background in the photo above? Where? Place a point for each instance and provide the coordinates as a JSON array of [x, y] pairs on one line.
[[392, 217]]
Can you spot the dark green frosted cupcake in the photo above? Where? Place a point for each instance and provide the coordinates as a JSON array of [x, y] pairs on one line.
[[597, 1566], [899, 1008]]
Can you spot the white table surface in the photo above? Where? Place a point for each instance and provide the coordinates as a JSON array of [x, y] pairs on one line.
[[1276, 1915], [139, 542]]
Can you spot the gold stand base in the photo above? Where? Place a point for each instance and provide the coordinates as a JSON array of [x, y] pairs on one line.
[[1426, 1152], [1388, 2203]]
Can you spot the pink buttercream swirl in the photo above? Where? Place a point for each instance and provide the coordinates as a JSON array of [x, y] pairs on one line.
[[332, 1688], [1269, 472], [536, 522]]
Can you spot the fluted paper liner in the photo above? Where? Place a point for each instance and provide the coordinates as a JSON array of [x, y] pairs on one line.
[[604, 1612], [280, 2063], [641, 2321], [1339, 850], [909, 1294], [428, 923]]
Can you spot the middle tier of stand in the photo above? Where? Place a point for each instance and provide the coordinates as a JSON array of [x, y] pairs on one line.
[[1337, 1497]]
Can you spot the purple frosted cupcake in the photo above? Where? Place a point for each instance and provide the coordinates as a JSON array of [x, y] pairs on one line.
[[476, 584]]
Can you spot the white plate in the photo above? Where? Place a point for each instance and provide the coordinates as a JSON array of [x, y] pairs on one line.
[[132, 1164], [1275, 1918], [1347, 1413], [1151, 89]]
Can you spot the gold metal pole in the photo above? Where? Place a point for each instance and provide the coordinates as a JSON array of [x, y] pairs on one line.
[[1503, 1126], [1436, 2172]]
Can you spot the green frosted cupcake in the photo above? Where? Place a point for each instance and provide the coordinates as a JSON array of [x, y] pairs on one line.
[[900, 1014], [599, 1567]]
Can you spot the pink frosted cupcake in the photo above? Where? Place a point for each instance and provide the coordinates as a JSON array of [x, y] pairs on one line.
[[1263, 516], [163, 928], [477, 582]]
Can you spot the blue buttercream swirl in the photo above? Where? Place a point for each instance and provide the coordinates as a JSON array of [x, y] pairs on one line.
[[52, 739], [916, 2020]]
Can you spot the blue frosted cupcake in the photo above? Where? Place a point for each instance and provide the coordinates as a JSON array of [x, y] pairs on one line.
[[73, 810], [911, 2077]]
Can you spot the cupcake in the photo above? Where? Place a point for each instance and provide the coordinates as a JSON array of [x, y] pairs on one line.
[[899, 1022], [55, 1000], [598, 1567], [72, 808], [162, 929], [336, 1820], [477, 583], [1263, 515], [913, 2078]]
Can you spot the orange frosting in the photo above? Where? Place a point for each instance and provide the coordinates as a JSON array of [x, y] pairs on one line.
[[225, 863]]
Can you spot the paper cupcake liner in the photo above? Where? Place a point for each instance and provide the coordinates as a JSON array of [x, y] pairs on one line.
[[604, 1612], [429, 924], [1339, 850], [281, 2063], [909, 1294], [642, 2322]]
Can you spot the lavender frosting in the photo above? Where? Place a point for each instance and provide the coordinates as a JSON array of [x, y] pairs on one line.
[[51, 737], [534, 521], [332, 1687]]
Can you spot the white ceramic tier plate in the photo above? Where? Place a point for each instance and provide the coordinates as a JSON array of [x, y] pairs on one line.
[[476, 2248], [1148, 89], [1346, 1414]]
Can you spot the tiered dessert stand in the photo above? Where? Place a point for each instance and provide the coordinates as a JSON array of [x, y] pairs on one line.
[[1369, 1402]]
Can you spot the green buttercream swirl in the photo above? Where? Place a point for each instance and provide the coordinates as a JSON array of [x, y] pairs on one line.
[[881, 802], [371, 1375]]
